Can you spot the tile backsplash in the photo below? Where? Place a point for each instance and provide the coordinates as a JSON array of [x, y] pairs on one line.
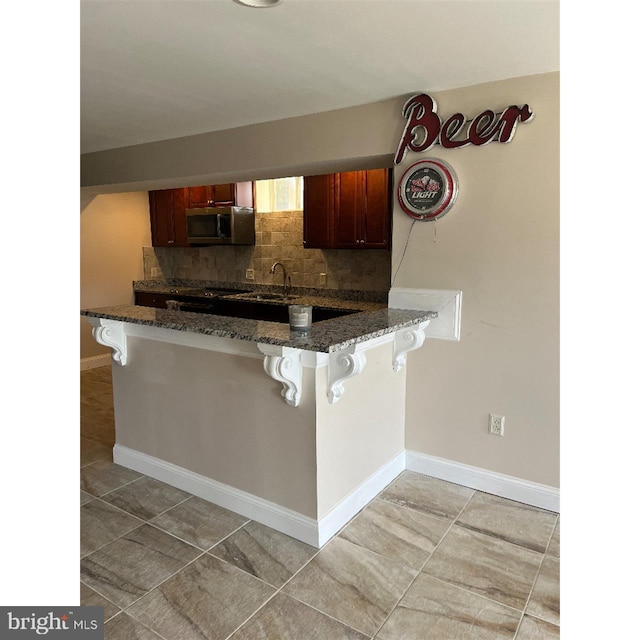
[[278, 238]]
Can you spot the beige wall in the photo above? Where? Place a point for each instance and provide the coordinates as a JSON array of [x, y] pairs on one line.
[[220, 416], [499, 245], [361, 432], [341, 140], [113, 229]]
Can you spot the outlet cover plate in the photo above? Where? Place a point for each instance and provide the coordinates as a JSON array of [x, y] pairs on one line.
[[496, 425]]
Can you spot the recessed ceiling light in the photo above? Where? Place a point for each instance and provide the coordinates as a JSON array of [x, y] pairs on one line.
[[258, 4]]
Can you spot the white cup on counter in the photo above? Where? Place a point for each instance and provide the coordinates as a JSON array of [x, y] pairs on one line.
[[300, 316]]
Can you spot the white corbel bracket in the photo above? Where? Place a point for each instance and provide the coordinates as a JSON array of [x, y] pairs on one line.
[[343, 364], [110, 333], [284, 365], [405, 340]]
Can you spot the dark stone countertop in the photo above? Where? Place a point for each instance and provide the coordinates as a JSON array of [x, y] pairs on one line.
[[326, 336], [334, 298]]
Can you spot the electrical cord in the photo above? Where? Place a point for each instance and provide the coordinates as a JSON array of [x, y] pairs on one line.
[[406, 244]]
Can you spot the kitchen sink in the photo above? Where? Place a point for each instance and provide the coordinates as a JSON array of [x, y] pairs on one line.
[[268, 296]]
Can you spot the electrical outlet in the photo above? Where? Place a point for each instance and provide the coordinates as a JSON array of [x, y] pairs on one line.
[[323, 279], [249, 274], [496, 425]]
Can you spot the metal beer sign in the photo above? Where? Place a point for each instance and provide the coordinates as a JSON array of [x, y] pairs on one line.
[[424, 129]]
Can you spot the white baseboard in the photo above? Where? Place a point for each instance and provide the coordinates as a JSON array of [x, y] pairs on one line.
[[537, 495], [246, 504], [93, 362], [296, 525], [317, 533], [331, 523]]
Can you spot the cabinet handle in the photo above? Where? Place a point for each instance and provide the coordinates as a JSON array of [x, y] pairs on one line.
[[171, 241]]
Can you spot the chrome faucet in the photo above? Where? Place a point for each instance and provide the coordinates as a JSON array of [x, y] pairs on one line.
[[284, 275]]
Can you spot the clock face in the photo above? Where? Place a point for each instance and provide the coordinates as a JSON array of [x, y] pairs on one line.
[[428, 189]]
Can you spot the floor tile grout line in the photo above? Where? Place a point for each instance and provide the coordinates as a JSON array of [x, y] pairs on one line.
[[293, 575], [82, 557], [328, 615], [146, 626], [153, 524], [264, 604], [424, 564], [204, 553], [200, 555], [480, 595], [157, 515], [473, 593], [193, 544], [117, 606], [157, 586], [140, 475], [533, 586]]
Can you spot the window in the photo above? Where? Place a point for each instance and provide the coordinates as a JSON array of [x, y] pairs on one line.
[[281, 194]]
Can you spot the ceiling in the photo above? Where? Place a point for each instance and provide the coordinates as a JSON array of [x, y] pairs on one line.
[[153, 70]]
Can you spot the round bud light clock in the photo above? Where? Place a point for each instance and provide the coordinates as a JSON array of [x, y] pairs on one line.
[[428, 189]]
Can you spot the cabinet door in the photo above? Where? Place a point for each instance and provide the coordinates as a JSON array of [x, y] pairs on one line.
[[363, 206], [318, 211], [349, 209], [221, 195], [161, 210], [147, 299], [224, 194], [200, 196], [375, 221], [168, 218], [180, 218]]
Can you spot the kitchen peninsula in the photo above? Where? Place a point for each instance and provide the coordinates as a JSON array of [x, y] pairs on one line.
[[297, 430]]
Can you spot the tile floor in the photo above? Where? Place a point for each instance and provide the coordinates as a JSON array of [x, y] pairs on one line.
[[425, 560]]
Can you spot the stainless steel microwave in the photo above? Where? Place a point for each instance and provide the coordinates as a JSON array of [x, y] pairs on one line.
[[221, 225]]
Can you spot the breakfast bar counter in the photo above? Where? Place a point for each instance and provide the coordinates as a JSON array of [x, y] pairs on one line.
[[327, 336], [300, 449]]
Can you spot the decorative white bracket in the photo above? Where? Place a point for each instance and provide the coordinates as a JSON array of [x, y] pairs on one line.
[[406, 340], [284, 365], [110, 333], [343, 364]]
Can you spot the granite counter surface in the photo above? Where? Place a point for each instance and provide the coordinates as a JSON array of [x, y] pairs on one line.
[[338, 299], [325, 337]]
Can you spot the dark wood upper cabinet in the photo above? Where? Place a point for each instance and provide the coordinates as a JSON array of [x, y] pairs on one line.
[[167, 208], [318, 196], [349, 210], [375, 224], [235, 194], [200, 196], [168, 219]]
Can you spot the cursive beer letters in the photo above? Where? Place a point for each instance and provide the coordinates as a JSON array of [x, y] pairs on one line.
[[425, 129]]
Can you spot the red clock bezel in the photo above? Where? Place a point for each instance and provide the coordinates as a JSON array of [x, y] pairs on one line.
[[450, 181]]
